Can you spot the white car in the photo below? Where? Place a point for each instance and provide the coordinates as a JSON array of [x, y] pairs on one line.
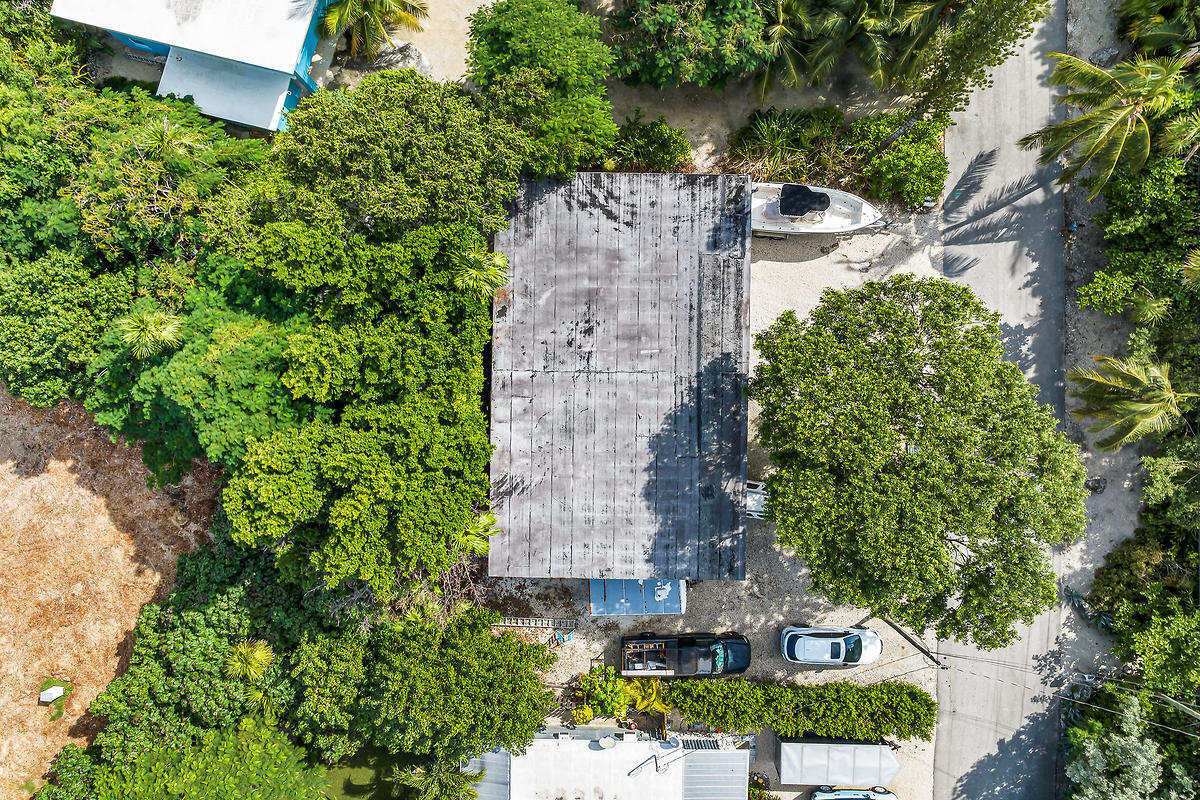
[[830, 647], [830, 793]]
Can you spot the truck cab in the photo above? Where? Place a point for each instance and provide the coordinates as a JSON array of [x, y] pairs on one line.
[[684, 655]]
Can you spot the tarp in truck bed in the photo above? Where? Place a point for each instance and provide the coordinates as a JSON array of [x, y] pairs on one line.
[[850, 765]]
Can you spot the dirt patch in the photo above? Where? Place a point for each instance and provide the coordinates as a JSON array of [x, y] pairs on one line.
[[84, 544]]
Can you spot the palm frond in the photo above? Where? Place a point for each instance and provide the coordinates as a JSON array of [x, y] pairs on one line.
[[249, 660], [1129, 399], [1191, 266]]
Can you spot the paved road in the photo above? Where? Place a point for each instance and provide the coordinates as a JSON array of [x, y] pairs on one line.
[[996, 733]]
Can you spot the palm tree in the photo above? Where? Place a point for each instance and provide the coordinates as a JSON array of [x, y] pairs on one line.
[[169, 141], [789, 24], [1152, 29], [476, 270], [441, 780], [1181, 136], [248, 661], [474, 538], [368, 21], [1128, 399], [648, 696], [1116, 107], [150, 332], [1191, 267], [858, 25], [918, 23]]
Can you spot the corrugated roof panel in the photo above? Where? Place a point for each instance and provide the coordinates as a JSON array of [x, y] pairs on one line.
[[716, 775], [620, 349], [496, 775]]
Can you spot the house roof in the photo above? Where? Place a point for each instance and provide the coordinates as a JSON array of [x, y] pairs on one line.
[[238, 92], [581, 769], [620, 351], [266, 33]]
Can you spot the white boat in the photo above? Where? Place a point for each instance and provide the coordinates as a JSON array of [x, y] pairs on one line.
[[810, 209]]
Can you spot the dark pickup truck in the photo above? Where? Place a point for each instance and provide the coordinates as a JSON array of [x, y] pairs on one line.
[[684, 655]]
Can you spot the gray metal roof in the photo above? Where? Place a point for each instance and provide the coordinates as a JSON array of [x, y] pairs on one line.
[[495, 784], [620, 351], [716, 775]]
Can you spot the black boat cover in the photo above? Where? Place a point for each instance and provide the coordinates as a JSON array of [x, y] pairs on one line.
[[796, 200]]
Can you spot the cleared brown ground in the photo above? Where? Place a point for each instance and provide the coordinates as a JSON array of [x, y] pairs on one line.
[[84, 544]]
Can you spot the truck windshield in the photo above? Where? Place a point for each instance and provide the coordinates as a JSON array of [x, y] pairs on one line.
[[718, 652], [853, 649]]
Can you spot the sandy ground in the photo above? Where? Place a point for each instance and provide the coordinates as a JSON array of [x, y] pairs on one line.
[[83, 545], [1092, 27]]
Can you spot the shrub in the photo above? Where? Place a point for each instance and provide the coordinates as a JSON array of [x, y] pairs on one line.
[[1107, 292], [816, 146], [1149, 226], [543, 67], [702, 42], [604, 691], [651, 147], [840, 709], [912, 169]]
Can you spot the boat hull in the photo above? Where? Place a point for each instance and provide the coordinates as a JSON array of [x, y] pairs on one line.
[[846, 213]]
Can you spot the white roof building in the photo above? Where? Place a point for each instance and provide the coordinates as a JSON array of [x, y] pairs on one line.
[[614, 768], [242, 60]]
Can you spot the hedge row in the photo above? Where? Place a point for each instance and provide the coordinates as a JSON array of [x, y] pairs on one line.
[[841, 710]]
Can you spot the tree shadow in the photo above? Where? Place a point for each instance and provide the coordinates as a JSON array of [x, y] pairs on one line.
[[695, 477], [1023, 765]]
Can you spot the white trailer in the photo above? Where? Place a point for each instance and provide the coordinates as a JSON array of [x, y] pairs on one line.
[[821, 764]]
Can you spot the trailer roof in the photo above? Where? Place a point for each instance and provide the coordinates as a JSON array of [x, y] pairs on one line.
[[620, 353]]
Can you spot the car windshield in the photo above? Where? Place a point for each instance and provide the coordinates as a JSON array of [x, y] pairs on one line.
[[853, 649]]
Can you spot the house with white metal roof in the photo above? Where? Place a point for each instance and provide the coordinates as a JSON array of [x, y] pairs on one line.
[[246, 61], [621, 766]]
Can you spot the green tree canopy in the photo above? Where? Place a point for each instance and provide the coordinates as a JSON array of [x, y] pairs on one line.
[[916, 474], [700, 42], [454, 691], [543, 67], [397, 152], [1110, 761], [252, 760]]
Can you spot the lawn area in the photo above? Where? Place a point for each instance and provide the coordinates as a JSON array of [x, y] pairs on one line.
[[364, 777]]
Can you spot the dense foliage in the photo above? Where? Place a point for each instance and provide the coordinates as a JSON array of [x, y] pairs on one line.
[[101, 195], [1116, 757], [650, 147], [934, 52], [251, 759], [840, 709], [701, 42], [428, 687], [543, 67], [1133, 740], [916, 474], [312, 316], [816, 146]]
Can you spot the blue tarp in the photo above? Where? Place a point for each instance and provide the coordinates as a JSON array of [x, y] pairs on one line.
[[612, 598]]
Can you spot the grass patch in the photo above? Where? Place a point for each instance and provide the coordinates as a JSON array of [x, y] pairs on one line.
[[59, 705], [365, 776]]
